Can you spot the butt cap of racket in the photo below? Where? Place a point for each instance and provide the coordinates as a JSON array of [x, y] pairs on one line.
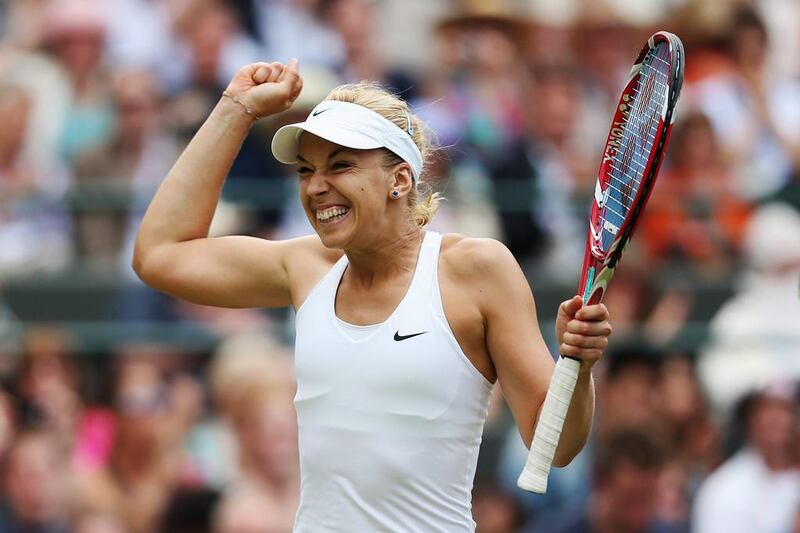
[[534, 480]]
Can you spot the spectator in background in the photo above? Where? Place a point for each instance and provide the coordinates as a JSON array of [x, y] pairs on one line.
[[34, 481], [147, 462], [254, 385], [695, 215], [48, 387], [691, 433], [694, 431], [627, 394], [241, 364], [536, 178], [356, 21], [755, 111], [75, 32], [474, 91], [625, 489], [266, 430], [113, 180], [754, 336], [211, 43], [141, 35], [23, 63], [33, 230], [294, 28], [758, 489], [51, 400]]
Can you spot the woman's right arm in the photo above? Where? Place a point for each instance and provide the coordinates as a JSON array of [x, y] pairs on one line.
[[173, 252]]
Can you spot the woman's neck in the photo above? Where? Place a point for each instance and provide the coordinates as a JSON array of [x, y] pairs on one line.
[[386, 259]]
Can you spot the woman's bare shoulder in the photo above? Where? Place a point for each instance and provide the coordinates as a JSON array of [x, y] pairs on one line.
[[470, 257]]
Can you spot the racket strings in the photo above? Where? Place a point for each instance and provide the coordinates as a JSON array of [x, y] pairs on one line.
[[644, 122], [636, 142]]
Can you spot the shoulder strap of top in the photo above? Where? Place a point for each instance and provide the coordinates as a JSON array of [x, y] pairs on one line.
[[427, 263]]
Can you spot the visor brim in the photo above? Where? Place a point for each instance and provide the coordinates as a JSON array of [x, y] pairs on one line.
[[286, 142]]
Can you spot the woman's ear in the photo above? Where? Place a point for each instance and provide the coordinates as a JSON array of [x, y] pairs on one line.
[[402, 180]]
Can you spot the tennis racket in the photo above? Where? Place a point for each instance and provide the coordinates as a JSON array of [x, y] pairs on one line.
[[633, 153]]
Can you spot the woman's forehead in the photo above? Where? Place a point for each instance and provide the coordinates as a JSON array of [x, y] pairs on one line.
[[310, 143], [312, 147]]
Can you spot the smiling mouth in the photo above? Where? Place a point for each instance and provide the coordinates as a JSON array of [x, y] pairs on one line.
[[331, 214]]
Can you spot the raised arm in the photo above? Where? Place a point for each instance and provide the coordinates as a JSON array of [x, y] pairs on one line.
[[519, 354], [173, 252]]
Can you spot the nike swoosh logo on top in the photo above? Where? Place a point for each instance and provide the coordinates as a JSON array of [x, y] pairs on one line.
[[399, 337], [315, 113]]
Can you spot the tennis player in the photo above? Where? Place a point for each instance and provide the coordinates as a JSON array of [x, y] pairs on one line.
[[401, 332]]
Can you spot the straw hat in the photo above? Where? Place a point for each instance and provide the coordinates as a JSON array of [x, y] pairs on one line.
[[504, 15]]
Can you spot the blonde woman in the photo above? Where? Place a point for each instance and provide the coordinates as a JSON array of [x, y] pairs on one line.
[[401, 332]]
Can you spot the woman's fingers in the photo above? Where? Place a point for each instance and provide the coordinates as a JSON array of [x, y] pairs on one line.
[[590, 355], [584, 341], [587, 328], [276, 73], [262, 72], [593, 312]]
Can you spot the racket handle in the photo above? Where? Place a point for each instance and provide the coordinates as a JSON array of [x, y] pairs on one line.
[[548, 431]]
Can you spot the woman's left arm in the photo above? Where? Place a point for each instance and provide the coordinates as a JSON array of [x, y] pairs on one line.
[[519, 353]]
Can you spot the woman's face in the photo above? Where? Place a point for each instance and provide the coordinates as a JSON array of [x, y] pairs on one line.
[[343, 191]]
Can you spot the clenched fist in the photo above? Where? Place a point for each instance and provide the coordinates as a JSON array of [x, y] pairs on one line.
[[266, 88]]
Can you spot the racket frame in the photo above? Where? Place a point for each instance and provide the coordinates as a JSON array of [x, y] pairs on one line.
[[599, 265]]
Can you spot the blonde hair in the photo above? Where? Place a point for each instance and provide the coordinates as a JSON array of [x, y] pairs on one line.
[[423, 202]]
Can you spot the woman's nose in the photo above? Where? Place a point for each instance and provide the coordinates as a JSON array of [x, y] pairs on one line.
[[317, 184]]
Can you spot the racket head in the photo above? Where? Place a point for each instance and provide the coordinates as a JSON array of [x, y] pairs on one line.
[[633, 153]]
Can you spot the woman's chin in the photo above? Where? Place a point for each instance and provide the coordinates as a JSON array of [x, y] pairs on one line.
[[334, 234]]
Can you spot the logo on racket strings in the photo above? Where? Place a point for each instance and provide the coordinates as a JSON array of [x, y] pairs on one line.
[[617, 129]]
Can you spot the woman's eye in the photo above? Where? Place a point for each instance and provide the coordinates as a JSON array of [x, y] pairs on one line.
[[304, 171], [341, 165]]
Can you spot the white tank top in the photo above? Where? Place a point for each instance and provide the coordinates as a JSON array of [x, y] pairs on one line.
[[390, 419]]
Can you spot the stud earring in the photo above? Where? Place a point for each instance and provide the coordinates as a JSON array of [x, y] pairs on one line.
[[395, 194]]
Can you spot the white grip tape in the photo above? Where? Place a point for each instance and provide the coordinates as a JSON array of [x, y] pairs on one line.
[[548, 430]]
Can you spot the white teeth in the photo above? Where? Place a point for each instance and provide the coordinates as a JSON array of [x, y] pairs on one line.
[[332, 212]]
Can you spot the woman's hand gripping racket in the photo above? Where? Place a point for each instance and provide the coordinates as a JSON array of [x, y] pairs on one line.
[[633, 153]]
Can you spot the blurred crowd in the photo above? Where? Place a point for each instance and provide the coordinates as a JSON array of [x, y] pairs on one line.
[[698, 401]]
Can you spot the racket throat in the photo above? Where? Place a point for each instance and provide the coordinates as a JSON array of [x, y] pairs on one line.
[[587, 290]]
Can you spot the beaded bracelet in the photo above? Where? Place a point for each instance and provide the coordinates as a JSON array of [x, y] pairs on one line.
[[247, 108]]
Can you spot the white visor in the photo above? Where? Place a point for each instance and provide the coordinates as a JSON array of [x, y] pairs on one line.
[[352, 126]]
